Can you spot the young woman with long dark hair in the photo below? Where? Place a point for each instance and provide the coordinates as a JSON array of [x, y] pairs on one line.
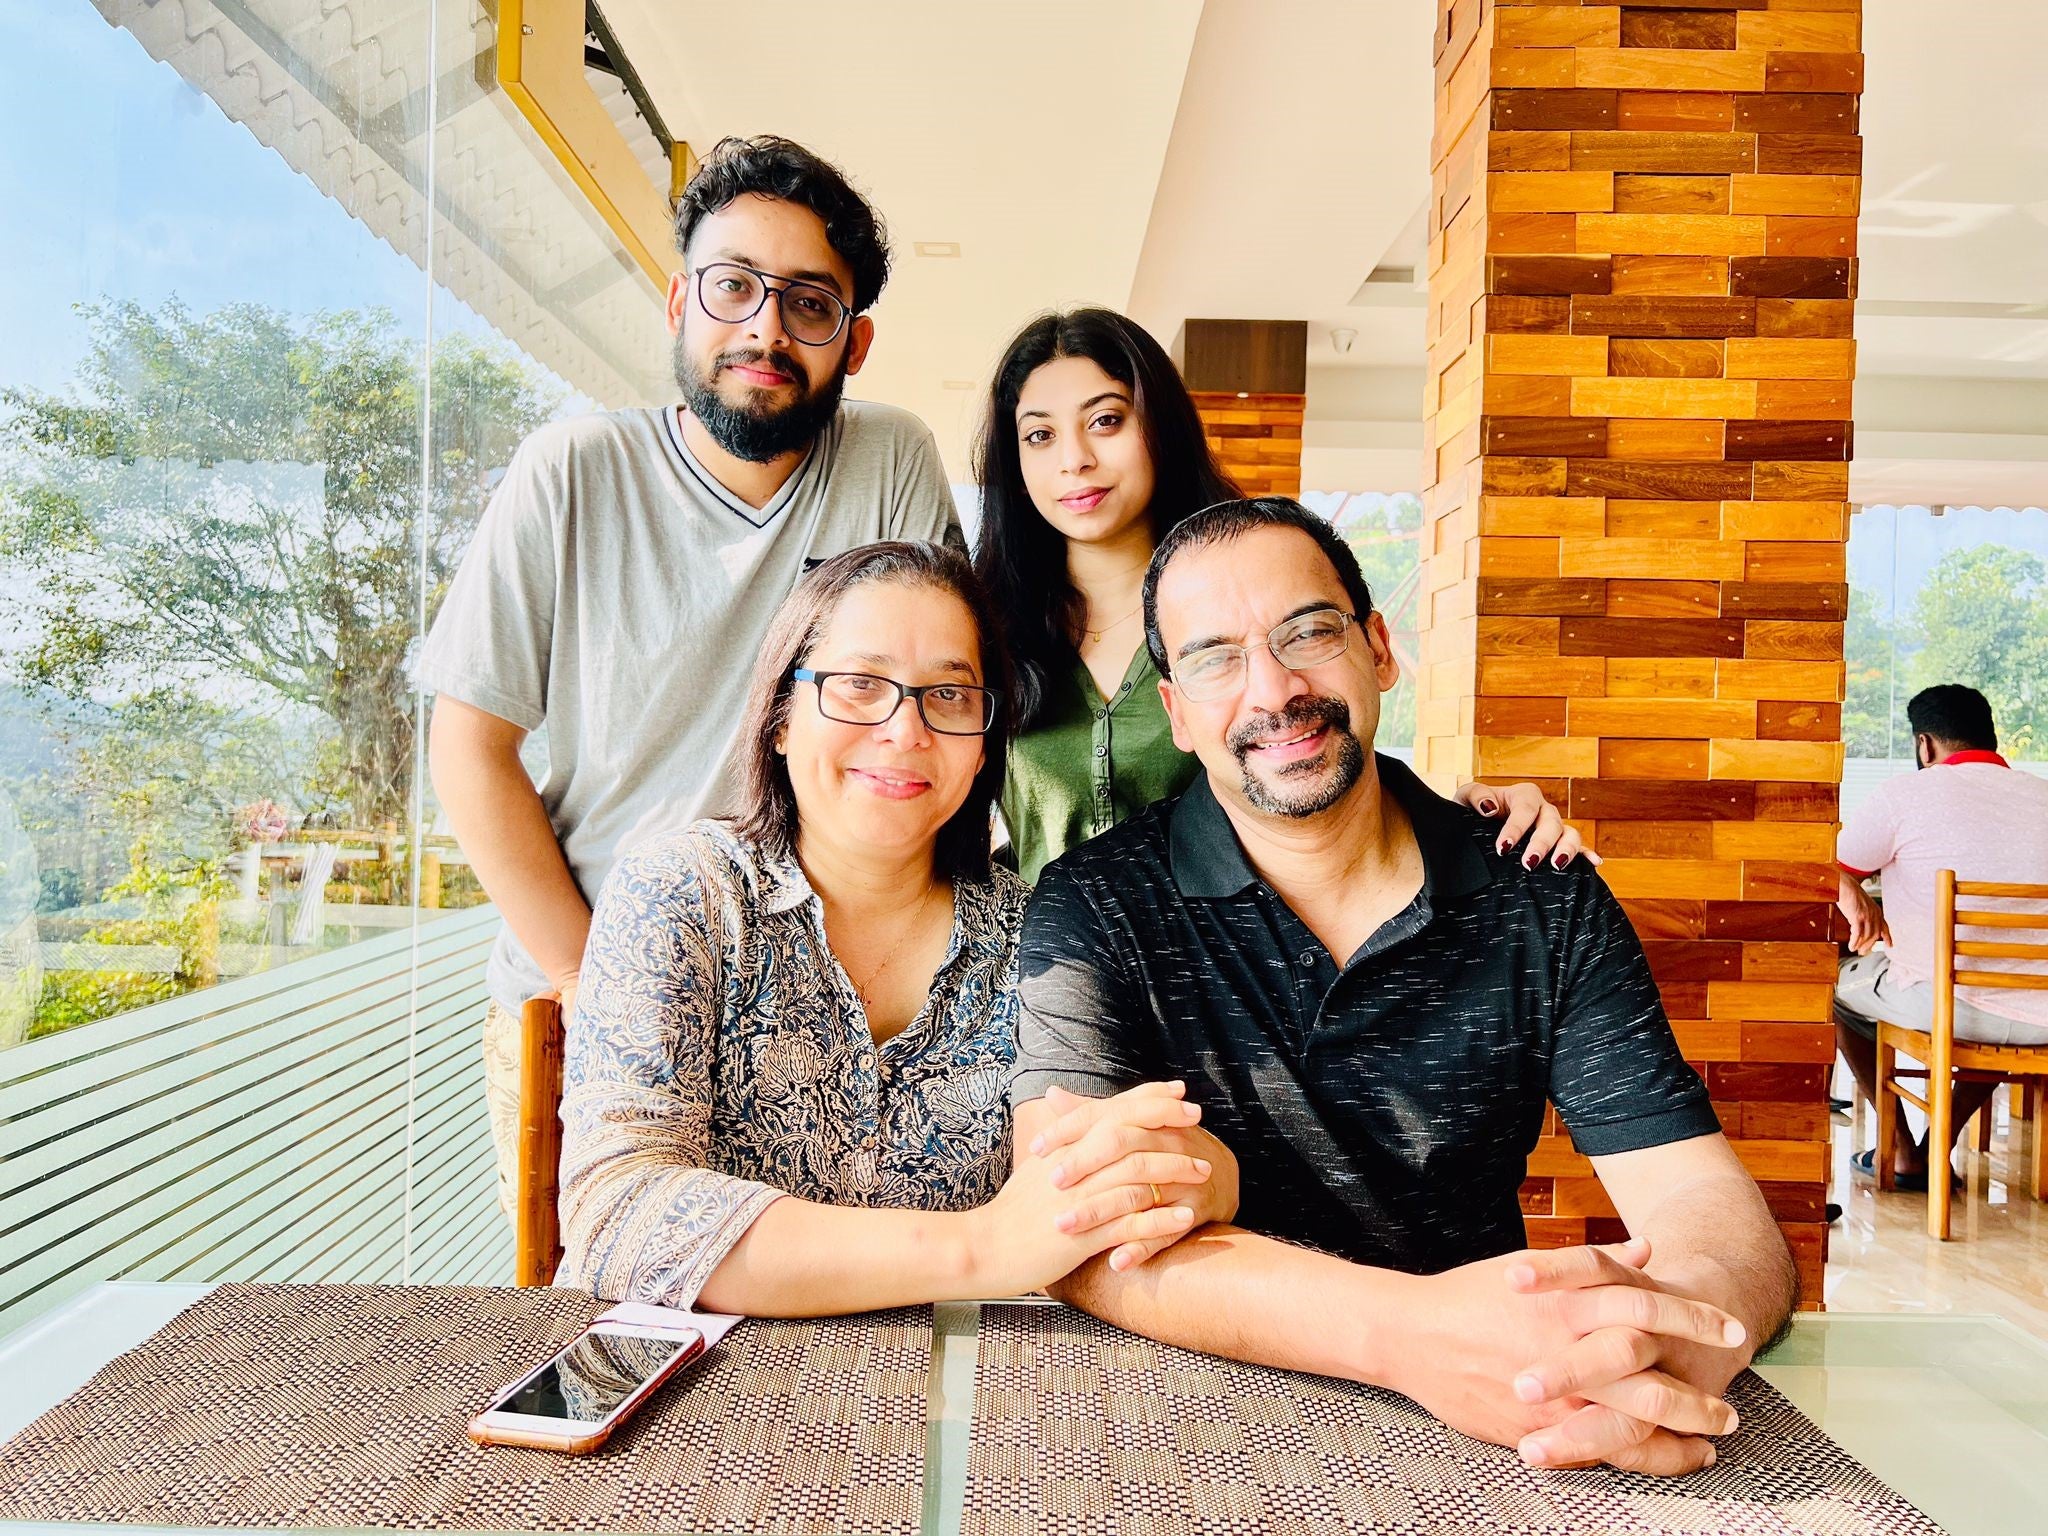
[[1090, 451]]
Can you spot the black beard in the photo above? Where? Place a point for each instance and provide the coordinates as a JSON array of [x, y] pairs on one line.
[[1301, 713], [758, 434]]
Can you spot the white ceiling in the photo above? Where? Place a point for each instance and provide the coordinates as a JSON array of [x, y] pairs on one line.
[[1242, 158]]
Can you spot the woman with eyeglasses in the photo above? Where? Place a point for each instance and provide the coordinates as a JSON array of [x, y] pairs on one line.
[[1090, 450], [784, 1086]]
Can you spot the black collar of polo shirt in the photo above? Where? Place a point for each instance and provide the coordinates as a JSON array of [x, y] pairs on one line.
[[1209, 864]]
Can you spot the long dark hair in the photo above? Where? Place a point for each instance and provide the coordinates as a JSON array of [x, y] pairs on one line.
[[1020, 555], [767, 814]]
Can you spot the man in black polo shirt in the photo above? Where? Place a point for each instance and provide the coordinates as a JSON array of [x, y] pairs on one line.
[[1380, 1110]]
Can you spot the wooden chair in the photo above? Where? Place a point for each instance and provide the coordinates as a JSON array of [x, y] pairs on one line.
[[537, 1243], [1949, 1060]]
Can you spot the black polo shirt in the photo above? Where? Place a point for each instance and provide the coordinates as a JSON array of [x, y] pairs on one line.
[[1383, 1111]]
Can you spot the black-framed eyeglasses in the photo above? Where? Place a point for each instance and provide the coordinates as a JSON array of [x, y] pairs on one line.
[[861, 698], [1306, 640], [732, 294]]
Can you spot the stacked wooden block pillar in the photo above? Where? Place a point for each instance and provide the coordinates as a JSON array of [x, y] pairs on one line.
[[1249, 379], [1256, 438], [1642, 267]]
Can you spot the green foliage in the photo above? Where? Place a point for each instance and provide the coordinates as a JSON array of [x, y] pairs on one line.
[[216, 538], [1876, 650], [230, 506], [1982, 619], [71, 998], [1382, 533], [176, 907]]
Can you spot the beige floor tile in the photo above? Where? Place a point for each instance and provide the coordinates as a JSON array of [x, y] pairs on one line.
[[1880, 1258]]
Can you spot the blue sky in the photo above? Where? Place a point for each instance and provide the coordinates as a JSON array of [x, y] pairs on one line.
[[120, 179], [1892, 549]]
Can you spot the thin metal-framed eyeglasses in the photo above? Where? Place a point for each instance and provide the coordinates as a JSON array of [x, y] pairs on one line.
[[861, 698], [1306, 640], [733, 293]]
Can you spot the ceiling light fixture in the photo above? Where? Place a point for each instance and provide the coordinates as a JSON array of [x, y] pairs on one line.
[[937, 247], [1343, 338]]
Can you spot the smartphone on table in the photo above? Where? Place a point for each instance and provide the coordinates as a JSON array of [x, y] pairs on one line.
[[575, 1401]]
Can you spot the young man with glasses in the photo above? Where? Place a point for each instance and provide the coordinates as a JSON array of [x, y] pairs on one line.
[[1369, 1007], [627, 567]]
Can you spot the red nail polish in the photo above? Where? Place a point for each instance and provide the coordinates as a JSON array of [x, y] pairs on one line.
[[1558, 862]]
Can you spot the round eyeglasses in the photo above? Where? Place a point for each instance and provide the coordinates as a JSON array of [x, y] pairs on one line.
[[861, 698], [1305, 640], [733, 294]]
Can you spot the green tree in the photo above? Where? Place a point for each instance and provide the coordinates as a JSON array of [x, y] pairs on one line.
[[1982, 619], [1383, 531], [1877, 650], [225, 509]]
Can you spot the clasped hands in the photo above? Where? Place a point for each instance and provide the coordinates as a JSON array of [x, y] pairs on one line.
[[1128, 1176], [1574, 1356]]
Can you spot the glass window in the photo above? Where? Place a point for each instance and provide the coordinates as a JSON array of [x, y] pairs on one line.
[[1950, 595], [1385, 532], [285, 291]]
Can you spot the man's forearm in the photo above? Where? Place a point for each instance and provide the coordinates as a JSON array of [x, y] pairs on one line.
[[1225, 1291], [499, 820], [1715, 1240]]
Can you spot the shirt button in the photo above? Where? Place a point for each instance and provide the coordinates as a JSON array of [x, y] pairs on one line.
[[1102, 749], [1308, 958], [868, 1143]]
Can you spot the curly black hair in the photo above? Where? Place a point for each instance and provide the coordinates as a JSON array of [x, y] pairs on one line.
[[771, 166]]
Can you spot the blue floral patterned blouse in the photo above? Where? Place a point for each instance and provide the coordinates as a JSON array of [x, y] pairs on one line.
[[719, 1058]]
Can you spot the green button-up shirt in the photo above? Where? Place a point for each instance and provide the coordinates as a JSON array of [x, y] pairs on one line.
[[1090, 763]]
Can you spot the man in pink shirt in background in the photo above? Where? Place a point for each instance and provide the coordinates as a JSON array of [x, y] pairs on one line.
[[1970, 812]]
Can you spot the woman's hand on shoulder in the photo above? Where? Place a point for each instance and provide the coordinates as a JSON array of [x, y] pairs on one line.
[[1528, 819]]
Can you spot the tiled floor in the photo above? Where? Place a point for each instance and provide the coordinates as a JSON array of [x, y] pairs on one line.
[[1880, 1258]]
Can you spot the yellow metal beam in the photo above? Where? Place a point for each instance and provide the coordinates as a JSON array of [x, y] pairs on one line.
[[540, 66]]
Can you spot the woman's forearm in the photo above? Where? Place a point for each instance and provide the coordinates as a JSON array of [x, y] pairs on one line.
[[803, 1259]]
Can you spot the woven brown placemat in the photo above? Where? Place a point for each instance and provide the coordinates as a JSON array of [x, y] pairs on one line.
[[1080, 1427], [280, 1405]]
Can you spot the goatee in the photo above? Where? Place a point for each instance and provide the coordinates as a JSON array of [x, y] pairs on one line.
[[758, 433], [1304, 713]]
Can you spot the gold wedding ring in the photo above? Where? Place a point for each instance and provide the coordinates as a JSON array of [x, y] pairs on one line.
[[1157, 1197]]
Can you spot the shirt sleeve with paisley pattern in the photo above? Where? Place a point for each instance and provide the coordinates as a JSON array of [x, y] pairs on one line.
[[644, 1216]]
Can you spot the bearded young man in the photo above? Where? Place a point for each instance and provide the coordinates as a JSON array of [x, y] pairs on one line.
[[624, 574], [1330, 985]]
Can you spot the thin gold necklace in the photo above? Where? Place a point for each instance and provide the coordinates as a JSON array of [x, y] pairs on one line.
[[909, 931], [1097, 634]]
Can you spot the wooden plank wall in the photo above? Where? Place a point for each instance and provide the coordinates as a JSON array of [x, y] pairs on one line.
[[1256, 438], [1642, 267]]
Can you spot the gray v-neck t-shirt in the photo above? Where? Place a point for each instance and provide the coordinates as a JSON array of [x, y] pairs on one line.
[[616, 593]]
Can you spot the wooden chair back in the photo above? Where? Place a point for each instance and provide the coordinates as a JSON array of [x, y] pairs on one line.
[[1955, 945], [537, 1244]]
